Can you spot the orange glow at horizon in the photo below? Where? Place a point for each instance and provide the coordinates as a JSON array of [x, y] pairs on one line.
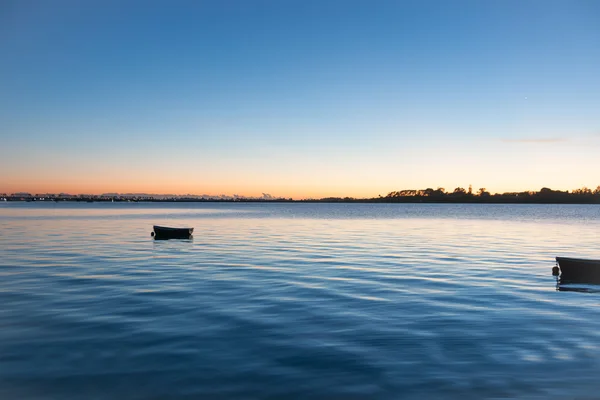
[[353, 175], [233, 188]]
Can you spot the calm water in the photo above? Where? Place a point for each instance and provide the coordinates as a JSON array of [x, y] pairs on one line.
[[286, 301]]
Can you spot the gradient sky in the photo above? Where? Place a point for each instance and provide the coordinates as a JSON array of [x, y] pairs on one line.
[[298, 98]]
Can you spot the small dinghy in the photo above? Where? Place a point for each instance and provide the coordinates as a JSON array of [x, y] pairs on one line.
[[164, 232], [578, 270]]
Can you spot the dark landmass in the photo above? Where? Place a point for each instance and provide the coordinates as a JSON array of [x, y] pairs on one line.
[[439, 195]]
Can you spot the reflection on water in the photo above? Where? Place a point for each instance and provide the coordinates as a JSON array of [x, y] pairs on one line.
[[188, 239], [580, 289], [296, 301]]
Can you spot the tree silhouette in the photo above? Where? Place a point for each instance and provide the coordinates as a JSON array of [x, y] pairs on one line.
[[428, 192], [482, 192], [583, 191]]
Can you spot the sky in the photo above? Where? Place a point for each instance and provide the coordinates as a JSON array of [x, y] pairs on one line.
[[302, 99]]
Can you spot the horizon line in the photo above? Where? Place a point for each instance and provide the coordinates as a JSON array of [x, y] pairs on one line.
[[268, 196]]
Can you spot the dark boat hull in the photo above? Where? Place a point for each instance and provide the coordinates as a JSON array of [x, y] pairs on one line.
[[163, 232], [578, 270]]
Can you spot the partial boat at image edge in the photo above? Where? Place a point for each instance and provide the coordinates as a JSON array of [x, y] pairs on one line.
[[578, 270]]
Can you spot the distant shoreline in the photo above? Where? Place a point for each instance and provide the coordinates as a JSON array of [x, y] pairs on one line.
[[382, 200], [459, 195]]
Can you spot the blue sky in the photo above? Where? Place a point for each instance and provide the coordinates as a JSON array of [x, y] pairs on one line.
[[298, 98]]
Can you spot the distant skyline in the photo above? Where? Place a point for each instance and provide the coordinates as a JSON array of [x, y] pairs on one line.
[[298, 98]]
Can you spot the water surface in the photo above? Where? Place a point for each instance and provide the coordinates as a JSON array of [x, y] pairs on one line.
[[331, 301]]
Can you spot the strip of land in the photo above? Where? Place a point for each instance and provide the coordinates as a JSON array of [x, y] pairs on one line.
[[459, 195]]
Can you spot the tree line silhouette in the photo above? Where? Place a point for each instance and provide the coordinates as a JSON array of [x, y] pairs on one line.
[[482, 195]]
